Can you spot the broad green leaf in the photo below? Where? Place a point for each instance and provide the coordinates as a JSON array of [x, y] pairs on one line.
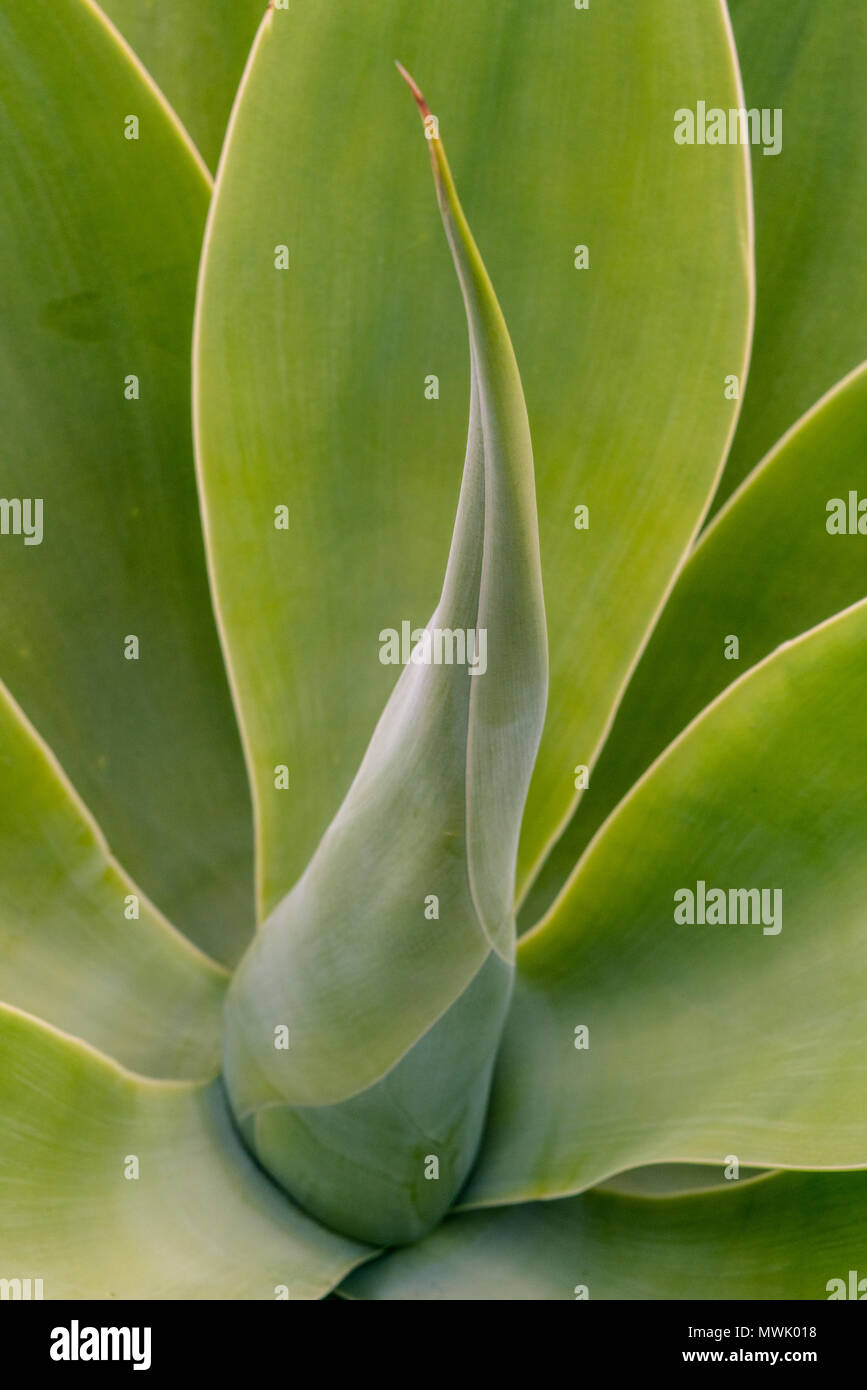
[[79, 945], [785, 1236], [114, 1187], [374, 1080], [100, 238], [195, 50], [766, 569], [705, 1040], [808, 61], [315, 384]]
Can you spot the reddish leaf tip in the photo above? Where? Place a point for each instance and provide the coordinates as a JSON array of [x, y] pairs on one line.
[[414, 88]]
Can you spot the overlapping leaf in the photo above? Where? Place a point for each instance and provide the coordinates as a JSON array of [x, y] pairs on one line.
[[79, 945], [114, 1187], [195, 50], [678, 1179], [315, 383], [786, 1236], [767, 569], [100, 237], [706, 1040], [808, 62], [413, 878]]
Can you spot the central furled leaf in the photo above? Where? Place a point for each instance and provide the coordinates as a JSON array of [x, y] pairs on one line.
[[363, 1023]]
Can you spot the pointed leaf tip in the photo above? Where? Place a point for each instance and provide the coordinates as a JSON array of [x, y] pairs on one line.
[[414, 88], [382, 1087]]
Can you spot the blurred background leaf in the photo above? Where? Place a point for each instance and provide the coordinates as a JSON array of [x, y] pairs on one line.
[[195, 50]]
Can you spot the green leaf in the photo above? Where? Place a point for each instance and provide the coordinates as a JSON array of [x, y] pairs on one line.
[[103, 233], [195, 50], [765, 570], [809, 61], [191, 1218], [677, 1179], [785, 1236], [705, 1040], [375, 1081], [311, 381], [69, 949]]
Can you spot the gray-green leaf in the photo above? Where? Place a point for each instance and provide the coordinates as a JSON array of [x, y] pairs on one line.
[[370, 1112]]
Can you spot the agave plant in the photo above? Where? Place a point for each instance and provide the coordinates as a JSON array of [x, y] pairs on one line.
[[515, 953]]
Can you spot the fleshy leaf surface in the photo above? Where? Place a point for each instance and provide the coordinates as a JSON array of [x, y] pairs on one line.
[[195, 50], [376, 1080], [766, 569], [334, 388], [705, 1039], [784, 1236], [114, 1187], [80, 945], [807, 62], [99, 240]]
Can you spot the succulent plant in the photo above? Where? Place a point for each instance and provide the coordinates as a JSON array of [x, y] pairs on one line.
[[514, 952]]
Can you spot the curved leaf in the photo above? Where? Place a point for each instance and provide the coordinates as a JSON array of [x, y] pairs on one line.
[[196, 50], [113, 1187], [808, 61], [413, 879], [785, 1236], [766, 569], [315, 384], [100, 239], [79, 946], [705, 1040], [678, 1179]]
